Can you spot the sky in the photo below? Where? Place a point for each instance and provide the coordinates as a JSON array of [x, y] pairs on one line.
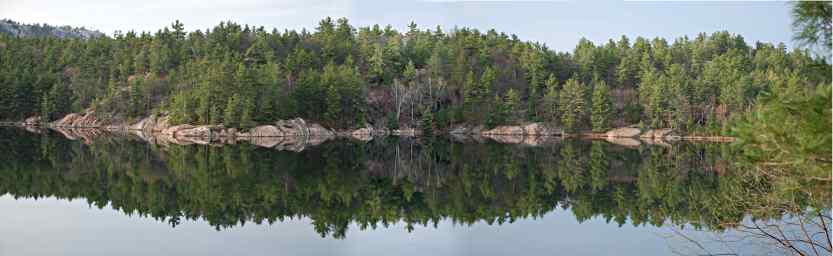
[[76, 228], [558, 24]]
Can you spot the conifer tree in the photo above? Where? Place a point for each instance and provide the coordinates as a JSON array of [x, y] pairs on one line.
[[512, 104], [333, 105], [602, 107], [550, 100], [231, 115], [573, 105], [427, 122]]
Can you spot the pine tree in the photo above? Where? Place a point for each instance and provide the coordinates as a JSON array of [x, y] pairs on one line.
[[333, 105], [137, 102], [214, 115], [260, 52], [573, 105], [140, 62], [427, 122], [599, 166], [486, 85], [231, 114], [470, 92], [602, 106], [47, 108], [159, 57], [512, 104], [498, 114], [410, 73], [550, 101], [532, 101], [246, 120]]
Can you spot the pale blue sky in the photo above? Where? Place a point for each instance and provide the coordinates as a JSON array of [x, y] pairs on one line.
[[559, 24], [75, 228]]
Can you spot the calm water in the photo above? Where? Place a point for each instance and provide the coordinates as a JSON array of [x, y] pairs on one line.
[[119, 195]]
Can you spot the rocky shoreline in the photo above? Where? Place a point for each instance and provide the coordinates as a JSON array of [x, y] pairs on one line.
[[293, 134]]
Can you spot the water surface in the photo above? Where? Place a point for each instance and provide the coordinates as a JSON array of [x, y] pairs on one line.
[[122, 195]]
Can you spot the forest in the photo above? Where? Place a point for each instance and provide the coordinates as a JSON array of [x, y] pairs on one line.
[[346, 77]]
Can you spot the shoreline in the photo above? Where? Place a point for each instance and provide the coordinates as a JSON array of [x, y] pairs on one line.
[[296, 134], [299, 132]]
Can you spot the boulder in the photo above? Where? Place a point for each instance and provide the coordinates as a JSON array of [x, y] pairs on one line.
[[292, 143], [298, 127], [658, 137], [467, 138], [172, 131], [539, 140], [407, 132], [662, 133], [266, 142], [466, 130], [86, 135], [505, 139], [196, 140], [142, 124], [363, 134], [263, 131], [161, 124], [624, 132], [88, 120], [459, 130], [152, 124], [539, 129], [202, 131], [505, 130], [113, 127], [292, 127], [627, 142], [67, 120], [655, 141], [317, 130], [33, 120], [32, 129], [362, 131], [76, 120], [317, 140]]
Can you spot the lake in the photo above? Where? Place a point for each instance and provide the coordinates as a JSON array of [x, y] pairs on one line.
[[118, 194]]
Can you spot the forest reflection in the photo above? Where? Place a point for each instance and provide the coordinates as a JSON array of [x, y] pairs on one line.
[[373, 184]]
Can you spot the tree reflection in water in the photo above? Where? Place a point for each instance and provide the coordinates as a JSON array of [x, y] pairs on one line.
[[416, 182]]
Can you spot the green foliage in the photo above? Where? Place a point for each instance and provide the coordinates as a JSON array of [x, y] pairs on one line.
[[787, 139], [812, 23], [229, 186], [532, 101], [600, 114], [246, 118], [498, 114], [333, 104], [512, 105], [697, 84], [487, 84], [427, 123], [573, 102], [392, 121], [231, 114], [410, 72], [470, 91], [549, 102], [47, 107], [137, 97]]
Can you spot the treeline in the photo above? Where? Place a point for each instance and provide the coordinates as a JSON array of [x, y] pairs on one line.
[[347, 77]]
